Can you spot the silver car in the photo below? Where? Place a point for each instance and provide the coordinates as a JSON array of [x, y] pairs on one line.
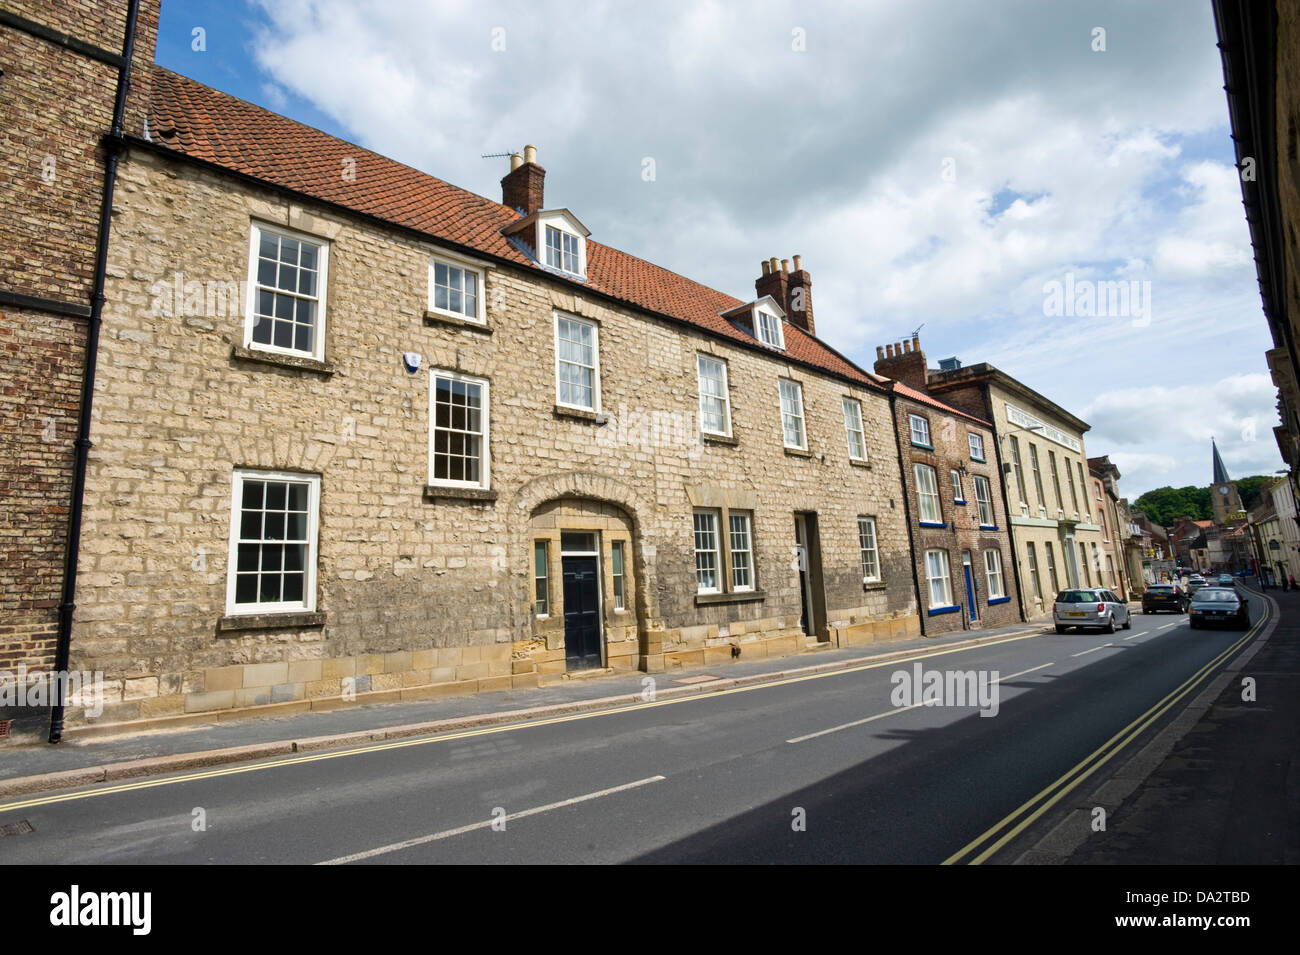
[[1091, 608]]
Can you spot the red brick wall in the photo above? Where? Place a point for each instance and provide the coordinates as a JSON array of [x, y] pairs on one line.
[[948, 434]]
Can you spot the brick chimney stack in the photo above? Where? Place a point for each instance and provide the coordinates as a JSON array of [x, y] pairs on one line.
[[792, 290], [522, 187], [903, 361]]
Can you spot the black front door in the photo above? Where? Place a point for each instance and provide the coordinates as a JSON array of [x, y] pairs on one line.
[[581, 613]]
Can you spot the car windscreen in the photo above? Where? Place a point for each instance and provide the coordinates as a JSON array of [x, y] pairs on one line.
[[1215, 596], [1160, 590], [1077, 597]]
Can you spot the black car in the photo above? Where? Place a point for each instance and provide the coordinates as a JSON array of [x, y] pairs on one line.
[[1161, 597], [1218, 606]]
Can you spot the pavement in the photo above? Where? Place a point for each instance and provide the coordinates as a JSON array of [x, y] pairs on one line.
[[36, 766], [1223, 785]]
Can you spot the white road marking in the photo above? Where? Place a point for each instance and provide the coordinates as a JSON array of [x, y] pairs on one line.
[[448, 833], [1167, 626], [1135, 636], [1093, 650], [845, 726], [1023, 672], [901, 709]]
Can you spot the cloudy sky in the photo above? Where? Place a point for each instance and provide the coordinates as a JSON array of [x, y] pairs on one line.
[[935, 164]]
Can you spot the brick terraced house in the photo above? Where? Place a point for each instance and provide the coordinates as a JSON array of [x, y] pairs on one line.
[[356, 430], [961, 544]]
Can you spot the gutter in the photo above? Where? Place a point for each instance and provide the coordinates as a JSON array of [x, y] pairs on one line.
[[112, 152]]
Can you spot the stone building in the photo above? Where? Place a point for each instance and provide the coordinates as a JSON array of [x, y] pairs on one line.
[[61, 71], [961, 544], [359, 431], [1042, 460], [1103, 477]]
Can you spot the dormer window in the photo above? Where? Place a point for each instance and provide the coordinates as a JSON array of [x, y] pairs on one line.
[[554, 239], [561, 250], [768, 327]]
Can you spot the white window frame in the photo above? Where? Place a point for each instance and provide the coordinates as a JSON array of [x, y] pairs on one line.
[[765, 323], [870, 572], [485, 456], [480, 308], [579, 254], [543, 578], [256, 229], [852, 406], [595, 355], [985, 501], [747, 529], [919, 425], [972, 439], [993, 573], [713, 518], [618, 576], [927, 492], [944, 579], [796, 415], [724, 398], [310, 559], [958, 494]]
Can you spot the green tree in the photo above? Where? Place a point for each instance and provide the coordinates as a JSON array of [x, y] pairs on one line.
[[1249, 488], [1165, 505]]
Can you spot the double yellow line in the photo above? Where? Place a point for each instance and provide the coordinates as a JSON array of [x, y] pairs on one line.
[[1027, 814]]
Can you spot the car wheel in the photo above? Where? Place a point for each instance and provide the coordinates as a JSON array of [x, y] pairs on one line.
[[1060, 628], [1128, 622], [1110, 624]]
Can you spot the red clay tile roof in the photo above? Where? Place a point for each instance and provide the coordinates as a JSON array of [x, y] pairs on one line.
[[209, 125], [905, 391]]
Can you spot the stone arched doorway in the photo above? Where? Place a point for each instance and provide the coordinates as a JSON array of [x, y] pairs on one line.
[[585, 586]]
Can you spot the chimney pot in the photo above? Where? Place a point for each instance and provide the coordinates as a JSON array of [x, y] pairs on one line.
[[880, 352], [798, 263], [516, 161], [785, 265], [530, 154], [907, 347], [767, 269], [772, 263], [889, 351], [916, 343]]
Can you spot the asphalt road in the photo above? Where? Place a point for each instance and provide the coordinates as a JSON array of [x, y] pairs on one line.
[[817, 769]]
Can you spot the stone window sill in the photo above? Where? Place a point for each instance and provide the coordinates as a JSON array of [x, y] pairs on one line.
[[743, 596], [798, 453], [297, 363], [234, 623], [727, 439], [482, 495], [860, 463], [580, 414], [873, 585], [438, 318]]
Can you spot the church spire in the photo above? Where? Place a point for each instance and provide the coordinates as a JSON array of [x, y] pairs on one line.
[[1220, 472]]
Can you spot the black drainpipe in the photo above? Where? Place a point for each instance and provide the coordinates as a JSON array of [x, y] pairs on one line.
[[907, 510], [112, 151]]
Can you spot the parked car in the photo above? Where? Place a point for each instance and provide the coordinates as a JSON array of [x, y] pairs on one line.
[[1225, 580], [1162, 597], [1216, 606], [1091, 608]]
